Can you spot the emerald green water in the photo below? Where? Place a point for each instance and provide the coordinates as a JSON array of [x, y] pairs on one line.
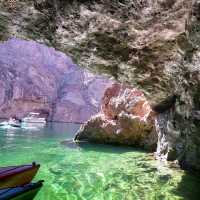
[[93, 172]]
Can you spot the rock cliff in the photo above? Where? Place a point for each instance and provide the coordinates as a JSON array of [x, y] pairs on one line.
[[153, 45], [34, 77]]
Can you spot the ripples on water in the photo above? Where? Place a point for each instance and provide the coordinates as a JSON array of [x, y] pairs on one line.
[[93, 172]]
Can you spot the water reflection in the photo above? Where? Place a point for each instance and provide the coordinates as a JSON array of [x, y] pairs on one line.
[[28, 132]]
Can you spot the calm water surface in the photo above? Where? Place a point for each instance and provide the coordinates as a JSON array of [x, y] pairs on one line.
[[93, 172]]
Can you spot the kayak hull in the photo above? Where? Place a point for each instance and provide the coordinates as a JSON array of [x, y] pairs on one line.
[[26, 192], [17, 175]]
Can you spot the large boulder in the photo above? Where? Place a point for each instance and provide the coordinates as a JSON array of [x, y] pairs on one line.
[[126, 118]]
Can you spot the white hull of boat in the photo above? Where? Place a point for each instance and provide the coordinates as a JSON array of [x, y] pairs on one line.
[[10, 125], [36, 120], [3, 123]]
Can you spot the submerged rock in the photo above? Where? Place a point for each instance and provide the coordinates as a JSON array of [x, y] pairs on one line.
[[35, 77], [126, 118], [154, 45]]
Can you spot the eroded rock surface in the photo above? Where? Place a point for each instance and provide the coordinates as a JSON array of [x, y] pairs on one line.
[[139, 42], [34, 77], [126, 118]]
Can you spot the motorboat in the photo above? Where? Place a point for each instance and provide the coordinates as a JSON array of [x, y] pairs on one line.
[[33, 117], [14, 123], [25, 192], [14, 176], [10, 123], [4, 123]]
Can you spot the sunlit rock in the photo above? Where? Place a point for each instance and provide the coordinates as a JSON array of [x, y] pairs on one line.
[[126, 118]]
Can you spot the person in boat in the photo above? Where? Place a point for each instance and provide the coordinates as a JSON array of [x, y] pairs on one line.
[[18, 120], [14, 121]]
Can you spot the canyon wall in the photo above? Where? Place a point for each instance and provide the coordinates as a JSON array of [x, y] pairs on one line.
[[34, 77], [152, 45]]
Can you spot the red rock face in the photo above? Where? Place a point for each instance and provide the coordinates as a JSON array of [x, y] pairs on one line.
[[126, 118], [34, 77], [124, 98]]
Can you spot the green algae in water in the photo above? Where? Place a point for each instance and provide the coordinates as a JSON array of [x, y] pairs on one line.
[[93, 172]]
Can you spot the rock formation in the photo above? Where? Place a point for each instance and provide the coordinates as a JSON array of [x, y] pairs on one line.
[[153, 45], [34, 77], [126, 118]]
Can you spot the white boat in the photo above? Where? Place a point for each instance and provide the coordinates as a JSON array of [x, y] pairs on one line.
[[14, 123], [4, 123], [34, 118], [10, 123]]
